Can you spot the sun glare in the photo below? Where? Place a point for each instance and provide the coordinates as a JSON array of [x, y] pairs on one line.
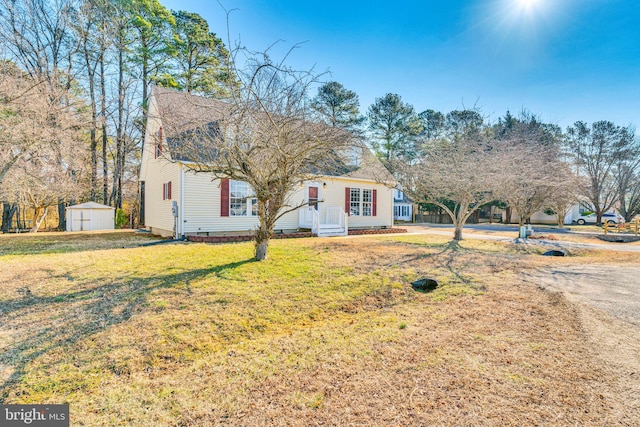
[[527, 4]]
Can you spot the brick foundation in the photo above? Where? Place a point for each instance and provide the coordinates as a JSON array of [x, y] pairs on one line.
[[248, 237]]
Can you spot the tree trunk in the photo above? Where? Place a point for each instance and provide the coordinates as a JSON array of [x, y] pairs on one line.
[[103, 114], [118, 170], [8, 211], [459, 220], [93, 135], [40, 215], [599, 216], [457, 233], [264, 232], [261, 250], [507, 215], [62, 219]]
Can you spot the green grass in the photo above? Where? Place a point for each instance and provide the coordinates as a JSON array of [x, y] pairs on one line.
[[117, 313], [196, 334]]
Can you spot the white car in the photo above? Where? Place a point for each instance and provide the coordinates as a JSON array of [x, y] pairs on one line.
[[609, 218]]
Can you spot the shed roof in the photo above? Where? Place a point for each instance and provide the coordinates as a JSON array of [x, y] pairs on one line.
[[90, 205]]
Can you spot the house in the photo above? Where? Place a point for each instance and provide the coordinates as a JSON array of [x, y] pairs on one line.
[[180, 202], [574, 212], [402, 206]]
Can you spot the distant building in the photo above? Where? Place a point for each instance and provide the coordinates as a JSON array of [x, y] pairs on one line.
[[402, 206]]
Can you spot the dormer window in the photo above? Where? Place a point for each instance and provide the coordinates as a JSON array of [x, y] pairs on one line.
[[355, 156], [159, 144]]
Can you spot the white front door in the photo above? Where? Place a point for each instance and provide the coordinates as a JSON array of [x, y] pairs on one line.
[[313, 195]]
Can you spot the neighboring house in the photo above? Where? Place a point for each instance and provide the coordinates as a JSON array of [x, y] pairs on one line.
[[402, 206], [542, 218], [179, 202]]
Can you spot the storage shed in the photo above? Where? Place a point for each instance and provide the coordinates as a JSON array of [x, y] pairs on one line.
[[90, 216]]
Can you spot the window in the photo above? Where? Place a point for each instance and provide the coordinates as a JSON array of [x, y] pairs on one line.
[[166, 191], [355, 156], [354, 207], [367, 200], [158, 147], [242, 200], [401, 211], [361, 202]]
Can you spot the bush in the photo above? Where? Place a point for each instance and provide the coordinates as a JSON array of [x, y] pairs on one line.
[[121, 219]]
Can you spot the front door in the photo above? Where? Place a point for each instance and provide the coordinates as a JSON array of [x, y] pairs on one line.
[[313, 197]]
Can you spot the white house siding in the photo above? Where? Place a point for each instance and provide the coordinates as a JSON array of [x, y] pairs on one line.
[[155, 172], [334, 195], [202, 210], [158, 215], [202, 206], [542, 218], [151, 133]]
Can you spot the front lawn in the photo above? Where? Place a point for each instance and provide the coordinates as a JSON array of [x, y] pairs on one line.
[[327, 331]]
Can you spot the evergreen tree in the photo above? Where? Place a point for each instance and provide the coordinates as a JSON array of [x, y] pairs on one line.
[[338, 106], [394, 126]]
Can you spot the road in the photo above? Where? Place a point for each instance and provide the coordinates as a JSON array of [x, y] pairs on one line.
[[447, 230]]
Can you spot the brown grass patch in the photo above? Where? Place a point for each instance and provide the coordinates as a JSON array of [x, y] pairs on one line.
[[326, 332]]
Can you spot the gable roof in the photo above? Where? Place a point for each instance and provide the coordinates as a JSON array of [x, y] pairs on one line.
[[184, 114], [182, 111]]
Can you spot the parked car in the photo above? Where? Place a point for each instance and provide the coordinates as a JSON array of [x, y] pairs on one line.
[[609, 218]]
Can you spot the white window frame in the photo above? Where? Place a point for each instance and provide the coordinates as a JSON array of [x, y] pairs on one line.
[[244, 203], [361, 202]]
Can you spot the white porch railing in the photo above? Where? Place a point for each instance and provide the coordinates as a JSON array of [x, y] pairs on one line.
[[335, 223]]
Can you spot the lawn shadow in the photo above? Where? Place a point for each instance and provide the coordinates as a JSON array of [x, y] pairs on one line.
[[73, 316], [451, 257]]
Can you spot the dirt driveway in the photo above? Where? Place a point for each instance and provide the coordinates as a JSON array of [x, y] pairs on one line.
[[608, 302], [613, 289]]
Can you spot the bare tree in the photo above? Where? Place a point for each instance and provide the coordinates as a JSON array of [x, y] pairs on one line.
[[263, 135], [24, 122], [595, 151], [564, 192], [41, 182], [458, 173], [41, 149], [627, 177], [530, 157]]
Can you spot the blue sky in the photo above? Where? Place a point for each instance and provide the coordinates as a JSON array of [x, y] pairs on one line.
[[564, 60]]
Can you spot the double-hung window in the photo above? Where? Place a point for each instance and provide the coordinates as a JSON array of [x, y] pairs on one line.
[[354, 208], [361, 202], [367, 202], [242, 200]]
